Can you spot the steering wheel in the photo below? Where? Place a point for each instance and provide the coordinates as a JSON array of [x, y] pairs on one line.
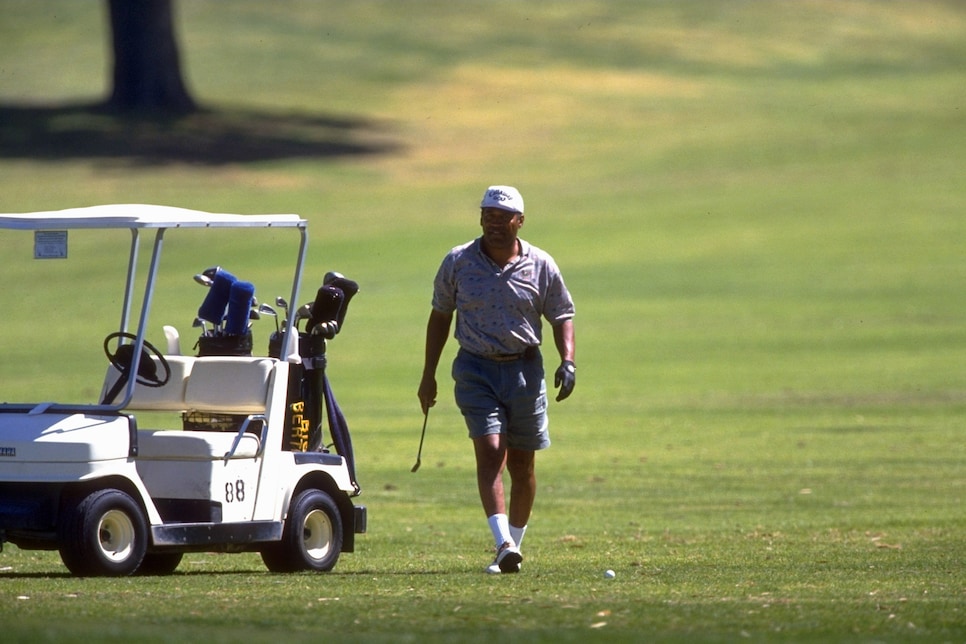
[[123, 358]]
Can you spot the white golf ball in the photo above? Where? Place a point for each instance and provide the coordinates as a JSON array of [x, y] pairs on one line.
[[609, 574]]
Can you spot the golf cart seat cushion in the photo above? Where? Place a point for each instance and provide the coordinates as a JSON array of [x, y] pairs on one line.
[[229, 384], [170, 397], [187, 445]]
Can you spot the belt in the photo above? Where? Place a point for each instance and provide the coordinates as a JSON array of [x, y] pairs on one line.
[[530, 353]]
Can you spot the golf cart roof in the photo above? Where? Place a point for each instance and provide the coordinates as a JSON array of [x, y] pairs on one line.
[[147, 224], [128, 216]]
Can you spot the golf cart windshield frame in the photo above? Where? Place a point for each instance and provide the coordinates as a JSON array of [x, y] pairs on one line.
[[138, 218]]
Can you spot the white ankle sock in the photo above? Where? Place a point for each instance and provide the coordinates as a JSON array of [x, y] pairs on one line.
[[500, 527], [517, 534]]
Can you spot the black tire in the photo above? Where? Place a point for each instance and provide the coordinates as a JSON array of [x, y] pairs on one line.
[[104, 535], [160, 563], [312, 539]]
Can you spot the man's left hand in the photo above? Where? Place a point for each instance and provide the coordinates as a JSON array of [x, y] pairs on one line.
[[565, 379]]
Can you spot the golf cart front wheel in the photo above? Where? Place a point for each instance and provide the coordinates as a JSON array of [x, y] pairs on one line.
[[312, 539], [104, 535]]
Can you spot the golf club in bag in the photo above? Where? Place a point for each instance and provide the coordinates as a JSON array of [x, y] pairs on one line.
[[227, 307], [215, 304], [224, 318]]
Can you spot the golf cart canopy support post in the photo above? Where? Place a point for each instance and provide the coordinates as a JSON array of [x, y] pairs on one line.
[[138, 217]]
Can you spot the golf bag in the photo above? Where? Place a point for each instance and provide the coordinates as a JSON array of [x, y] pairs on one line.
[[309, 391]]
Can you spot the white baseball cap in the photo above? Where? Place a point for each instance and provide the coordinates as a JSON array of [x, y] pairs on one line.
[[503, 197]]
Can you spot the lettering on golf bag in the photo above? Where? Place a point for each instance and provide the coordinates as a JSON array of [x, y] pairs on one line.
[[299, 427]]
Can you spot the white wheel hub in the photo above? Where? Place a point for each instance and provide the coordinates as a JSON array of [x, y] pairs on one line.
[[317, 534], [115, 533]]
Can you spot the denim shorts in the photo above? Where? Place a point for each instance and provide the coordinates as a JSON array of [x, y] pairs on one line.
[[503, 398]]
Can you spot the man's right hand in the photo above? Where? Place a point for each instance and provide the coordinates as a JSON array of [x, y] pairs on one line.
[[427, 393], [437, 330]]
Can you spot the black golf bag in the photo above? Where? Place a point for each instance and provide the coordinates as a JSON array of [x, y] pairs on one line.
[[309, 391]]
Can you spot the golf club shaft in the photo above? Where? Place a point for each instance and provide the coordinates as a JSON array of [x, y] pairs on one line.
[[419, 454]]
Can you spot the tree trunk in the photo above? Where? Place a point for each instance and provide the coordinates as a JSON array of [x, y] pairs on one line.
[[147, 70]]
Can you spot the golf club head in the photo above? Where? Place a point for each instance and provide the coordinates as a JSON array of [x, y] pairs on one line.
[[200, 324], [211, 272], [207, 276], [266, 309], [304, 312], [204, 280], [325, 329]]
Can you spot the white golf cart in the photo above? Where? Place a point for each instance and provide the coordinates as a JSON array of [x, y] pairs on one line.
[[240, 467]]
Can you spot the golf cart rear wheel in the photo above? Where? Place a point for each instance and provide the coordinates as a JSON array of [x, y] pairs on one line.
[[104, 535], [312, 539]]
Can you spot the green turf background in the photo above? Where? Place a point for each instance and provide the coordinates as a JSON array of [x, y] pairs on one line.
[[757, 205]]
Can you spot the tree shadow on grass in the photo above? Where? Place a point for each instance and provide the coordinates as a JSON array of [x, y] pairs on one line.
[[211, 137]]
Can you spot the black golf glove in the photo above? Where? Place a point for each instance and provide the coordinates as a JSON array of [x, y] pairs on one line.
[[565, 379]]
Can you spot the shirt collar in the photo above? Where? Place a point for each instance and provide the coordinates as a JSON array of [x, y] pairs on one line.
[[524, 247]]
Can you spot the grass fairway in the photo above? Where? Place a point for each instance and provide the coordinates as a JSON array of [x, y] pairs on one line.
[[758, 207]]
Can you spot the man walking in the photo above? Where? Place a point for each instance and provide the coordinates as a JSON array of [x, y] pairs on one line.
[[500, 288]]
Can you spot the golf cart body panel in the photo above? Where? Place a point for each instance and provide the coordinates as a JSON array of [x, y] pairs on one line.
[[110, 482], [73, 439]]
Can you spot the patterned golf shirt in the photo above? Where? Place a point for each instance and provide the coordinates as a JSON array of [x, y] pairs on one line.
[[499, 309]]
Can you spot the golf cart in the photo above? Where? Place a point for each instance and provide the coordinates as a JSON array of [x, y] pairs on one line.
[[223, 451]]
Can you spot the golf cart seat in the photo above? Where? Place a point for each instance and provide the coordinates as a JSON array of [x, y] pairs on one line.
[[169, 397], [168, 445], [217, 385], [229, 384]]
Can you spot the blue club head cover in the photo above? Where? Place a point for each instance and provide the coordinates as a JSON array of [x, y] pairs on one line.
[[239, 307], [213, 308]]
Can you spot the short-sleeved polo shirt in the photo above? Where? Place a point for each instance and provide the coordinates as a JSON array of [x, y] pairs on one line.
[[499, 308]]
